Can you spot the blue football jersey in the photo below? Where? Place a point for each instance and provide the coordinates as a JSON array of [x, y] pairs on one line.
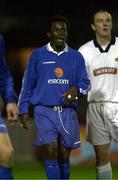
[[48, 75]]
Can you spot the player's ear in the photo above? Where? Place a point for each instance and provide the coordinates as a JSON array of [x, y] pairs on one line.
[[49, 35], [93, 27]]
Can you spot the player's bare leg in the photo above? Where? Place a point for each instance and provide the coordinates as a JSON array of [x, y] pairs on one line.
[[50, 160], [103, 166], [6, 156]]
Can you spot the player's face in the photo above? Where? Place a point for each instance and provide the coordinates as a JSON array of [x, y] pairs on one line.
[[102, 24], [58, 35]]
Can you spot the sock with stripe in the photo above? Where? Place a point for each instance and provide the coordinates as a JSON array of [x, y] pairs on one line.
[[64, 170], [52, 169]]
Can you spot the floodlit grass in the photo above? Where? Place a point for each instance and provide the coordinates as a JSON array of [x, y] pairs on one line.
[[35, 171]]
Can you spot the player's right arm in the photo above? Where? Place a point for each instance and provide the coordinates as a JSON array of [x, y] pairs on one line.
[[26, 121], [28, 85]]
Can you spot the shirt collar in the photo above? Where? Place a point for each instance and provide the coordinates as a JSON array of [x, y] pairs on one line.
[[112, 42], [49, 48]]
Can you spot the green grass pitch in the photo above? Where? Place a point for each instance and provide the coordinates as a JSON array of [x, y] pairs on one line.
[[35, 171]]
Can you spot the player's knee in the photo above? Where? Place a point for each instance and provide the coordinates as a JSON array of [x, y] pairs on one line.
[[6, 158]]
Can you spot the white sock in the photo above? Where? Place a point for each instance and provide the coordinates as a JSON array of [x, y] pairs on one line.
[[104, 172]]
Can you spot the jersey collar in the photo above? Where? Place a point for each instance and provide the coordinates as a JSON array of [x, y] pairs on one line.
[[49, 48], [112, 42]]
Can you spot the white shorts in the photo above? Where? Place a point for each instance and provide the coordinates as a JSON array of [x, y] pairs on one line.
[[102, 122]]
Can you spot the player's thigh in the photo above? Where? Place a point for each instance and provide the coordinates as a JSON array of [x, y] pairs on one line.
[[102, 153], [5, 144], [98, 132]]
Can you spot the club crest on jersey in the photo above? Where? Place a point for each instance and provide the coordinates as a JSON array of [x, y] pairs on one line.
[[116, 59], [59, 72]]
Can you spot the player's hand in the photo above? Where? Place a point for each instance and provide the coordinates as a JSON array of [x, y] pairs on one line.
[[12, 112], [70, 95], [26, 121]]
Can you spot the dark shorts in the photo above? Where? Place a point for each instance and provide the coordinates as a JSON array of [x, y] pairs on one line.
[[55, 122]]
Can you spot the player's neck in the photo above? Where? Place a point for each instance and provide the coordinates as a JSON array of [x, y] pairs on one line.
[[57, 48], [103, 40]]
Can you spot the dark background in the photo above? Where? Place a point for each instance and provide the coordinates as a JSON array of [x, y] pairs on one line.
[[23, 24]]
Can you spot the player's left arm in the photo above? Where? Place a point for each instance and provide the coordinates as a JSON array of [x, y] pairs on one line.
[[70, 95], [83, 81]]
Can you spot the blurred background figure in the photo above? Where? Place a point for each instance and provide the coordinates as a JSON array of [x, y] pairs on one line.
[[9, 96]]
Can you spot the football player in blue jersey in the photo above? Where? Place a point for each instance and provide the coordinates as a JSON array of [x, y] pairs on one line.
[[9, 96], [54, 77]]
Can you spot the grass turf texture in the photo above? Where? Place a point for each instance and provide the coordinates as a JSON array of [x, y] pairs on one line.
[[35, 171]]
